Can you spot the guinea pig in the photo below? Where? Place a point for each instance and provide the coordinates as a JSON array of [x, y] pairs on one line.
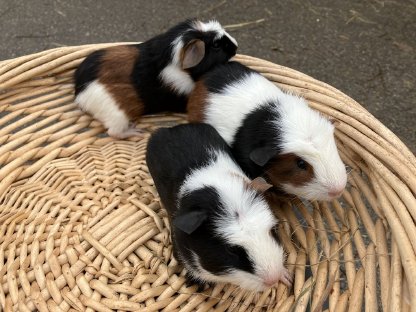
[[272, 133], [222, 228], [117, 85]]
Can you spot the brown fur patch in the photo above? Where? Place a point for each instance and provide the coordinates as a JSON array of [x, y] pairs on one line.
[[284, 169], [197, 102], [115, 74]]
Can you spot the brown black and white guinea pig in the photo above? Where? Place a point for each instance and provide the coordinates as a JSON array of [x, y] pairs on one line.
[[272, 133], [222, 228], [119, 84]]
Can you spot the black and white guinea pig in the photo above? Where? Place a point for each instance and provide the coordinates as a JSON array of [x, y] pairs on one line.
[[119, 84], [222, 228], [272, 133]]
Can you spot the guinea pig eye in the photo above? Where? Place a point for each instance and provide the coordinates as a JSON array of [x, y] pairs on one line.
[[301, 164], [216, 44], [274, 233]]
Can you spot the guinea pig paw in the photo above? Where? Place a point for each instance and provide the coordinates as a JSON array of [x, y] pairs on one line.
[[286, 278], [131, 132]]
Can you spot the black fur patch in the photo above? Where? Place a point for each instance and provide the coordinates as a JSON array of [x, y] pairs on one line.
[[87, 71], [217, 51], [222, 76], [256, 131]]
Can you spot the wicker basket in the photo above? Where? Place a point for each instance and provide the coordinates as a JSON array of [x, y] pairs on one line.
[[81, 226]]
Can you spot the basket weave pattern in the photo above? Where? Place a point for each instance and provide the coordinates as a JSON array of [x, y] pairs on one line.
[[81, 226]]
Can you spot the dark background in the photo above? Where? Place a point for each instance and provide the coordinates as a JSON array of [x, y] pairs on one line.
[[367, 49]]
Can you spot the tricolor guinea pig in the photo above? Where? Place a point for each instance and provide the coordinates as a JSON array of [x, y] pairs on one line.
[[119, 84], [222, 228], [272, 133]]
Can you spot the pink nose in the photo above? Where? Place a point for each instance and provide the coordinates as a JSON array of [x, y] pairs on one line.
[[336, 192], [270, 281]]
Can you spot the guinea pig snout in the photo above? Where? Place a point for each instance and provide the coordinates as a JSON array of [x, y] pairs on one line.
[[285, 277], [336, 192], [271, 280]]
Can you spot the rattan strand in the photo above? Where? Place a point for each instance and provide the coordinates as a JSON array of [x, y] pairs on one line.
[[81, 227]]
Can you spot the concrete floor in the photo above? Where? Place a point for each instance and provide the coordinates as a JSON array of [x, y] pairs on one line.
[[367, 49]]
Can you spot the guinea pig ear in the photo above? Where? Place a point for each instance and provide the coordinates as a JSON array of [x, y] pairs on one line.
[[190, 220], [260, 156], [193, 53], [260, 184]]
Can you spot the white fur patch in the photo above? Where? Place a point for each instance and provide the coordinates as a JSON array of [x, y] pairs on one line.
[[98, 102], [214, 25], [173, 76], [305, 132], [246, 221], [226, 111]]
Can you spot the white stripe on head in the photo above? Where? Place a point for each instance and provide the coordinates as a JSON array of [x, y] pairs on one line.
[[177, 46], [215, 26]]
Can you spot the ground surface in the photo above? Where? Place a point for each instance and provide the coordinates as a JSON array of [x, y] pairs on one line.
[[367, 49]]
